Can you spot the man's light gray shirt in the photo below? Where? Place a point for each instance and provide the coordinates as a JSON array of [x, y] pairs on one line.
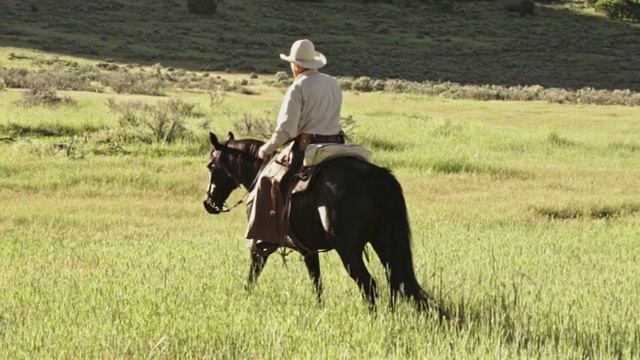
[[312, 105]]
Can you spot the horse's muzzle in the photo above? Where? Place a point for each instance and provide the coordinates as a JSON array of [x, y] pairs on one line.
[[211, 207]]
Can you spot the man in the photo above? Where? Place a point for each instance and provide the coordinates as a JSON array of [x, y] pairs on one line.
[[310, 111], [310, 114]]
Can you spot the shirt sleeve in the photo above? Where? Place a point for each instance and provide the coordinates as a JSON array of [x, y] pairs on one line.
[[288, 119]]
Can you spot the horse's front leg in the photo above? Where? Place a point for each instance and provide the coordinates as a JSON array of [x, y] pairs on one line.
[[312, 260], [259, 254]]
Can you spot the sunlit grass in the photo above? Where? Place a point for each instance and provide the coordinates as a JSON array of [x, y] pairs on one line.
[[525, 220]]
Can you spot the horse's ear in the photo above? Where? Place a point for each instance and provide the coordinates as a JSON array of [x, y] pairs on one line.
[[214, 140], [231, 137]]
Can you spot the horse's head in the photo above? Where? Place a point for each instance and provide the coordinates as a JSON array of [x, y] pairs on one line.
[[224, 175]]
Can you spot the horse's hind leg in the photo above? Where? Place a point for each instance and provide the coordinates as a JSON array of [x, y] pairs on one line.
[[358, 271], [394, 283], [312, 261]]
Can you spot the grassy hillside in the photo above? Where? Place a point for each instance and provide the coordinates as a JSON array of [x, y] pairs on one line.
[[478, 43]]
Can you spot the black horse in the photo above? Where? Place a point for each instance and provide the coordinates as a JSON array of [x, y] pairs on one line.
[[350, 203]]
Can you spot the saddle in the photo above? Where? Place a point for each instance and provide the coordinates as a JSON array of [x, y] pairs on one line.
[[317, 155], [267, 206]]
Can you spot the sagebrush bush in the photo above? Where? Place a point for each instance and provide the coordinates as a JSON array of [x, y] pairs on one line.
[[367, 84], [452, 90], [363, 84], [15, 78], [163, 122], [280, 79], [559, 96], [251, 125], [83, 78], [40, 92], [346, 83], [134, 83]]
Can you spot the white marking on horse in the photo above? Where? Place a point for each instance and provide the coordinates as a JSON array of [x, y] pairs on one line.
[[324, 217]]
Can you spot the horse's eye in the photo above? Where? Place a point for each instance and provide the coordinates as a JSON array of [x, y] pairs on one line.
[[210, 166]]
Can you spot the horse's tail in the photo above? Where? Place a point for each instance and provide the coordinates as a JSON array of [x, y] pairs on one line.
[[396, 229]]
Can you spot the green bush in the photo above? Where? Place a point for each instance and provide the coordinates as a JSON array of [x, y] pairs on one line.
[[619, 9], [202, 7], [632, 10], [612, 8]]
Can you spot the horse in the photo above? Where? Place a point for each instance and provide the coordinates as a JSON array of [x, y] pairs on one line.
[[350, 202]]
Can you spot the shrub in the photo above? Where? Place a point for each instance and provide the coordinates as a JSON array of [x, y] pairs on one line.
[[619, 9], [162, 123], [559, 96], [40, 92], [15, 78], [527, 7], [367, 84], [523, 7], [524, 93], [349, 125], [280, 79], [613, 9], [631, 10], [346, 83], [134, 83], [202, 7], [445, 6], [252, 126], [486, 93]]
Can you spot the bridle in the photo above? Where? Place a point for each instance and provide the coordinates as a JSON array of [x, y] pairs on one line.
[[217, 163]]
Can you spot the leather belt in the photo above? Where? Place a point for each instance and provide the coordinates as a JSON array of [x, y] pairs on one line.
[[321, 139], [306, 139]]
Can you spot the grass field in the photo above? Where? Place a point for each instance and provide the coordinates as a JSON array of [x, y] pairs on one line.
[[525, 219]]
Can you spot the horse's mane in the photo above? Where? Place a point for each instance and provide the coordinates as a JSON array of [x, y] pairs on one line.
[[245, 146]]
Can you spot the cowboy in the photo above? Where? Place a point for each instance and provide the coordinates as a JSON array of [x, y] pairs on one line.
[[310, 111]]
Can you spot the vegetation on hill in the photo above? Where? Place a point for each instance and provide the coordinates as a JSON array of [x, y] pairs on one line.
[[565, 45]]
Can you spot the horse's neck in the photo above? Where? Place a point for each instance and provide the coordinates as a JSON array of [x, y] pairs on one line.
[[250, 172], [250, 163]]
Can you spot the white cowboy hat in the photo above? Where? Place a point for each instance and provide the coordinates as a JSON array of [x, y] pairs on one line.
[[304, 54]]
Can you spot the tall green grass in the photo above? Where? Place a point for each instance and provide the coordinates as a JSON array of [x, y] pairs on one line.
[[525, 220]]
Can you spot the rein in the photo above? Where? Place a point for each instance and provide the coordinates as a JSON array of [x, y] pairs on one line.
[[217, 162], [237, 182]]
